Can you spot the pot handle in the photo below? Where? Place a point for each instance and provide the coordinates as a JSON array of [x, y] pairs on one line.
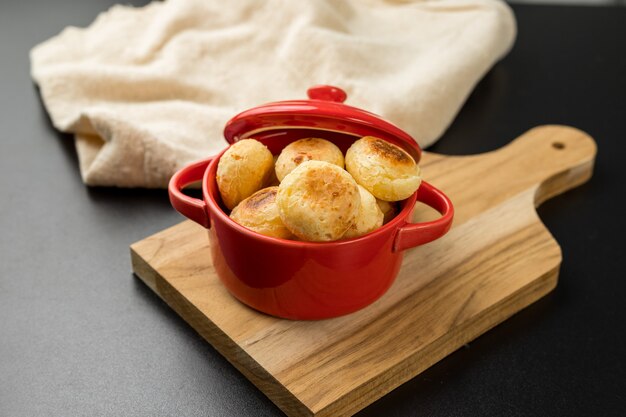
[[192, 208], [414, 234]]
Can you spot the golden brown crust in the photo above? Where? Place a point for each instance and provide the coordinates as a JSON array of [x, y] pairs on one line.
[[307, 149], [242, 170], [318, 201], [259, 213], [384, 169], [260, 199], [389, 152]]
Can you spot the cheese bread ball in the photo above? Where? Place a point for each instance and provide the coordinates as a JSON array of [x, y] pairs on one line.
[[384, 169], [318, 201], [308, 149], [259, 212], [242, 170], [370, 216], [388, 209]]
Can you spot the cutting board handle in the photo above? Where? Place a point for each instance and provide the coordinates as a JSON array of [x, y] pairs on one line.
[[543, 162], [553, 158]]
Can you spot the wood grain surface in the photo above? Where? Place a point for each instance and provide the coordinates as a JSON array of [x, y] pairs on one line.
[[497, 259]]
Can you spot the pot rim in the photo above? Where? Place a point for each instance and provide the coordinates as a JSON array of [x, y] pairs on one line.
[[216, 209]]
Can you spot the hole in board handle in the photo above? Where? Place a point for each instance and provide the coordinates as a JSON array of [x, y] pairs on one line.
[[558, 145]]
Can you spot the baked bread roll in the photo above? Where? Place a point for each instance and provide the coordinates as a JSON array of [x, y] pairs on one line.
[[384, 169], [318, 201], [242, 170], [259, 212], [308, 149], [388, 208], [370, 216]]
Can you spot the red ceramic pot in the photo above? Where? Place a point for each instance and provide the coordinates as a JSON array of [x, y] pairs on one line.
[[307, 280]]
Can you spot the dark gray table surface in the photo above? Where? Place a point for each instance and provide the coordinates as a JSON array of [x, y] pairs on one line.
[[80, 336]]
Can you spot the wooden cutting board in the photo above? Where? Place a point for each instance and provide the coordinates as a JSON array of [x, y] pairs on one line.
[[497, 259]]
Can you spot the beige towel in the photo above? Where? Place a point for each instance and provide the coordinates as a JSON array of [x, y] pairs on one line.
[[147, 90]]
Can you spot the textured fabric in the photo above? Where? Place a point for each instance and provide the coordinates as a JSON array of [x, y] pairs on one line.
[[148, 90]]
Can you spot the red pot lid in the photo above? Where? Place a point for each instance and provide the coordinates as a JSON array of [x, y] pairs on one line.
[[323, 111]]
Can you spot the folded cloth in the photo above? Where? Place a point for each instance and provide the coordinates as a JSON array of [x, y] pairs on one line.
[[148, 90]]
